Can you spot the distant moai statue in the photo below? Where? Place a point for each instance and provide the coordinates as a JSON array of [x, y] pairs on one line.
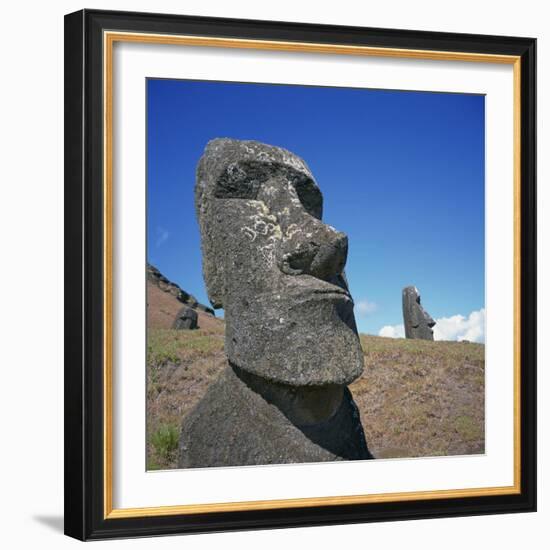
[[186, 319], [290, 335], [417, 321]]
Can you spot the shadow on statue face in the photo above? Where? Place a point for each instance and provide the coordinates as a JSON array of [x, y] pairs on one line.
[[424, 317], [288, 311]]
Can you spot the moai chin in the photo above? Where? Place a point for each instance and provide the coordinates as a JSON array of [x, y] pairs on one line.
[[290, 338], [417, 321]]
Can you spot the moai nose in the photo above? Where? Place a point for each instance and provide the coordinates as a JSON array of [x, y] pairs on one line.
[[308, 246], [427, 317], [321, 252]]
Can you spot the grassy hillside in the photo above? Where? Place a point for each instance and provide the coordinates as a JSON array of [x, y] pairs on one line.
[[421, 398], [416, 398], [162, 308]]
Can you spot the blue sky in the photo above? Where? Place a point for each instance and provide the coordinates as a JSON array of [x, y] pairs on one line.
[[402, 173]]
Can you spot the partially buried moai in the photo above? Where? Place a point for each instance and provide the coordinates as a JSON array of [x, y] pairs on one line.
[[290, 338], [417, 321], [186, 319]]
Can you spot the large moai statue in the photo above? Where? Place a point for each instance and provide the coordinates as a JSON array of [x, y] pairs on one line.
[[290, 338], [418, 323]]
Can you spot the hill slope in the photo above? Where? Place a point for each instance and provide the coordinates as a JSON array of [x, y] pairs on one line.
[[416, 398], [165, 299], [422, 398], [162, 309]]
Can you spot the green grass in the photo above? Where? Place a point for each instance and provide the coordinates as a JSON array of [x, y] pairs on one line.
[[166, 346], [165, 444]]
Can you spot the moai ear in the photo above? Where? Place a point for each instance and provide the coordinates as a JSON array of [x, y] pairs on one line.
[[416, 315]]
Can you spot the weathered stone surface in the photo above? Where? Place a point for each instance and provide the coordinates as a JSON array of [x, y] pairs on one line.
[[186, 319], [274, 266], [291, 338], [235, 425], [418, 323]]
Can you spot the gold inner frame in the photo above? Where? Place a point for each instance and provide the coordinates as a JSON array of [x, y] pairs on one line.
[[109, 39]]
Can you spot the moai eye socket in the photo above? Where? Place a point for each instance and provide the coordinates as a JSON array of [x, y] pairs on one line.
[[310, 197]]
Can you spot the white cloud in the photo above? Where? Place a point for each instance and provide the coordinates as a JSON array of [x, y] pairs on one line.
[[395, 331], [364, 307], [456, 327], [162, 236]]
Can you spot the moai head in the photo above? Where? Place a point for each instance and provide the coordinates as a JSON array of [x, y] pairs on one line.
[[274, 266], [186, 319], [418, 323]]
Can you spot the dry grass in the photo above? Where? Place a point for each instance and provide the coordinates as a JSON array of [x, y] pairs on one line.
[[180, 367], [416, 398], [420, 398]]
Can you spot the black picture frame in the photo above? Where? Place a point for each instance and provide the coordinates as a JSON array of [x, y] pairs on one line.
[[84, 276]]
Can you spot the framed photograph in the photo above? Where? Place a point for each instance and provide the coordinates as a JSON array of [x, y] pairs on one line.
[[300, 274]]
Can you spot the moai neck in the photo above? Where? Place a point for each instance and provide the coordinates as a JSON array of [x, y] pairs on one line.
[[302, 405]]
